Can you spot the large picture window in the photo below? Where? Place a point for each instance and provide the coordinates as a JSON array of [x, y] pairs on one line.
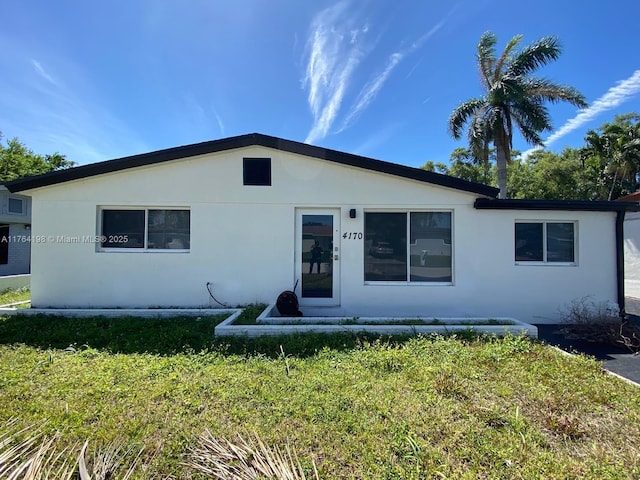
[[146, 229], [408, 247], [545, 242]]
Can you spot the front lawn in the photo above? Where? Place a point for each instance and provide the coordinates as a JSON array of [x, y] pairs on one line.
[[407, 408], [15, 295]]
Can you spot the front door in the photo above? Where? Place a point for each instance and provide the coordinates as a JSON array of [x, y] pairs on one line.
[[317, 256]]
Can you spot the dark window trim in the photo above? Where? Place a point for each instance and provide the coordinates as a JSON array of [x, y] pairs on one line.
[[554, 205], [145, 248], [256, 171], [545, 239], [408, 281]]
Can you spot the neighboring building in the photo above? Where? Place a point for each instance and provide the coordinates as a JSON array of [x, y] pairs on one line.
[[242, 215], [15, 231], [632, 253]]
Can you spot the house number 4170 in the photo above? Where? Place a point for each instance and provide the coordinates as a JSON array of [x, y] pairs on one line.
[[352, 235]]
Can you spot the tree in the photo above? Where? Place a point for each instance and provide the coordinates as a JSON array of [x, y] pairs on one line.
[[552, 176], [17, 161], [614, 151], [511, 96]]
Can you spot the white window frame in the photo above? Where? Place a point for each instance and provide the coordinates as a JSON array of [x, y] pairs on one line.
[[544, 261], [145, 248], [408, 281], [22, 202]]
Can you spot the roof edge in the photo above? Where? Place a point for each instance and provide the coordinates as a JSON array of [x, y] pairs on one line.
[[550, 205], [252, 139]]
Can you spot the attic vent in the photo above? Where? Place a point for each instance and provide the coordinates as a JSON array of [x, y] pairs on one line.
[[257, 171]]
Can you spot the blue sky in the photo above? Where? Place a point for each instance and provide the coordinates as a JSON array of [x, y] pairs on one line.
[[100, 80]]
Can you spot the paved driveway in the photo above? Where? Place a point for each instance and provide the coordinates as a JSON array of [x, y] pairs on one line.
[[615, 359]]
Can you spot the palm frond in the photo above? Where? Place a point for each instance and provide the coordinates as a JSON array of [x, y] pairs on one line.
[[546, 90], [27, 454], [505, 57], [532, 113], [527, 124], [486, 57], [245, 460], [462, 114], [479, 135], [534, 56]]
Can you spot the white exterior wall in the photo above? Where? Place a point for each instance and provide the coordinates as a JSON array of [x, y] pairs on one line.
[[243, 238], [632, 255]]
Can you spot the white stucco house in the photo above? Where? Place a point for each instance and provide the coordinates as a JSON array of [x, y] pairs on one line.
[[251, 216], [15, 231]]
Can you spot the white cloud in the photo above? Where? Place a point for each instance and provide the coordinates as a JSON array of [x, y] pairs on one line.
[[195, 121], [375, 84], [615, 96], [219, 120], [335, 47], [38, 67]]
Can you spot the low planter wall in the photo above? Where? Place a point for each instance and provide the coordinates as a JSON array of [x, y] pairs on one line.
[[270, 324]]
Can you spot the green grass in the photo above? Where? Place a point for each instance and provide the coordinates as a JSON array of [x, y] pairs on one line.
[[401, 408], [15, 295], [249, 314]]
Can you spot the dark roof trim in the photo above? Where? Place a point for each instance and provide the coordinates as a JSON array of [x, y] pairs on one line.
[[573, 205], [109, 166]]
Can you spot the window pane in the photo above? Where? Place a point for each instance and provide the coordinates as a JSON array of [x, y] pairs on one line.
[[4, 244], [529, 242], [430, 249], [385, 242], [15, 206], [256, 171], [560, 242], [169, 229], [317, 256], [123, 228]]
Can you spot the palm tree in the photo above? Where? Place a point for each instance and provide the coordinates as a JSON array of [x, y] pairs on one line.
[[511, 96], [615, 150]]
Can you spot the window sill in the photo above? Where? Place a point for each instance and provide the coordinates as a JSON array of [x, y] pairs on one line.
[[142, 250], [547, 264], [410, 284]]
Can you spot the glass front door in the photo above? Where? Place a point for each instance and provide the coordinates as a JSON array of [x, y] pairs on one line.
[[317, 256]]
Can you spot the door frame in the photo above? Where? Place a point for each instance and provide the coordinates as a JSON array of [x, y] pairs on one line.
[[335, 254]]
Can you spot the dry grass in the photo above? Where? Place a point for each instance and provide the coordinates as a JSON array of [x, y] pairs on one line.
[[245, 460], [28, 454]]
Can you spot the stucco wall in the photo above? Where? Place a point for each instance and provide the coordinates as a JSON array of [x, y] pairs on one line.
[[243, 241], [632, 254]]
